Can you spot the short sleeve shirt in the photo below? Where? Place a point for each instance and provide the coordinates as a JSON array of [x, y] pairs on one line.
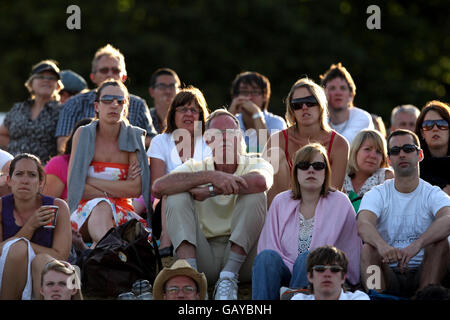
[[274, 123], [35, 136], [215, 213], [403, 217]]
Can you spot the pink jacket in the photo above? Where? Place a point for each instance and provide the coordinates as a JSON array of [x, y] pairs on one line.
[[334, 224]]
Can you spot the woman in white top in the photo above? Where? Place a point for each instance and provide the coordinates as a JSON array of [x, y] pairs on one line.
[[367, 165], [181, 140]]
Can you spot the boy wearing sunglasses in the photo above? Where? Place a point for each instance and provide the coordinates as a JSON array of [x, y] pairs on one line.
[[404, 223], [327, 269]]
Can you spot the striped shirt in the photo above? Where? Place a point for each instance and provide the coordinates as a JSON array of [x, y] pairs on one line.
[[82, 106]]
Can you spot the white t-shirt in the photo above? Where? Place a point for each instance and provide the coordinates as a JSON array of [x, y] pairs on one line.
[[163, 147], [357, 295], [358, 119], [403, 217]]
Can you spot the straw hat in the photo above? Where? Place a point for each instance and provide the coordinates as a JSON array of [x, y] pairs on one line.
[[180, 268]]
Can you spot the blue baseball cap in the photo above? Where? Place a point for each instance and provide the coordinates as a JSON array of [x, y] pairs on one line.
[[72, 81]]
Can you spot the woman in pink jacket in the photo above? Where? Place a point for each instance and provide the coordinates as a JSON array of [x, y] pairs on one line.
[[299, 220]]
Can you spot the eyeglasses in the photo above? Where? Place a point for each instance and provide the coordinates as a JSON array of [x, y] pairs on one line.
[[163, 86], [185, 289], [108, 99], [304, 165], [442, 124], [42, 77], [297, 104], [250, 92], [186, 109], [321, 268], [407, 148], [105, 70]]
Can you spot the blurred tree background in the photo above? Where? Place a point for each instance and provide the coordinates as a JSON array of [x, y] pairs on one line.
[[207, 42]]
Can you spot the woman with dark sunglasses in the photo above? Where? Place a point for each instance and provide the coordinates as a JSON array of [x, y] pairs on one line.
[[432, 128], [307, 118], [108, 167], [309, 215]]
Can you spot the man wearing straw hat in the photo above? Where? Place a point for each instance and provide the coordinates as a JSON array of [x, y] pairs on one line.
[[180, 282]]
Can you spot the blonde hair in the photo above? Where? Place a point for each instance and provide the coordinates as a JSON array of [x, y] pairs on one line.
[[318, 93], [67, 269], [112, 52], [28, 84], [360, 138], [306, 154]]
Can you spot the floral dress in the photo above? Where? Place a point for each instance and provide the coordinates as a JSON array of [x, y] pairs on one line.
[[122, 208]]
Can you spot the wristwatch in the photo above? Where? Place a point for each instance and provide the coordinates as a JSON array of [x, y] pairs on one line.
[[211, 190], [258, 115]]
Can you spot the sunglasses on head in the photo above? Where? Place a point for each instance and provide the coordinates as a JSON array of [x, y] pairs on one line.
[[407, 148], [105, 70], [304, 165], [310, 101], [334, 268], [109, 98], [442, 124]]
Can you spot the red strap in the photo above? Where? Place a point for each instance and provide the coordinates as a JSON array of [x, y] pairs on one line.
[[333, 134], [286, 152]]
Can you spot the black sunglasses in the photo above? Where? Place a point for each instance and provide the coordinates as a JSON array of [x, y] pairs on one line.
[[105, 70], [407, 148], [310, 101], [304, 165], [334, 268], [109, 98], [442, 124]]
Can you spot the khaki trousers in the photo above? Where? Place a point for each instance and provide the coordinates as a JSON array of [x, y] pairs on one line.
[[246, 224]]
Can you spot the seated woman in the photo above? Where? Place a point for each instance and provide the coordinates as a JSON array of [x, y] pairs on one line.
[[367, 165], [181, 140], [433, 132], [30, 125], [60, 281], [309, 215], [307, 117], [26, 244], [107, 159], [56, 185]]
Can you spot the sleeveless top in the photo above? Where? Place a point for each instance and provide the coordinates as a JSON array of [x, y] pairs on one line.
[[42, 236], [286, 152]]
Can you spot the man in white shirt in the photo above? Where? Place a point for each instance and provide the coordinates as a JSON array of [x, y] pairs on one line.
[[340, 89], [215, 208], [327, 269], [404, 224]]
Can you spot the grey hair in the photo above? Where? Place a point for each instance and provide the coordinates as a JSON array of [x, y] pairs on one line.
[[408, 108]]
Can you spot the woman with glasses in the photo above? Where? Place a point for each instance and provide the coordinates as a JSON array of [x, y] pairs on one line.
[[108, 166], [432, 130], [27, 240], [307, 118], [367, 165], [181, 140], [30, 125], [309, 215]]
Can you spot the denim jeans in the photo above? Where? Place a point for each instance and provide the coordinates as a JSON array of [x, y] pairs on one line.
[[269, 274]]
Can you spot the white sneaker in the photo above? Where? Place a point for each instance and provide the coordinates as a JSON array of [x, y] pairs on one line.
[[226, 289]]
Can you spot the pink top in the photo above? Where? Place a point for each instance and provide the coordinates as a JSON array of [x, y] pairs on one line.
[[334, 224], [59, 166]]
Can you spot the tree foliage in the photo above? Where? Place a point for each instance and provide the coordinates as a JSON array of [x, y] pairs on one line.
[[209, 41]]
